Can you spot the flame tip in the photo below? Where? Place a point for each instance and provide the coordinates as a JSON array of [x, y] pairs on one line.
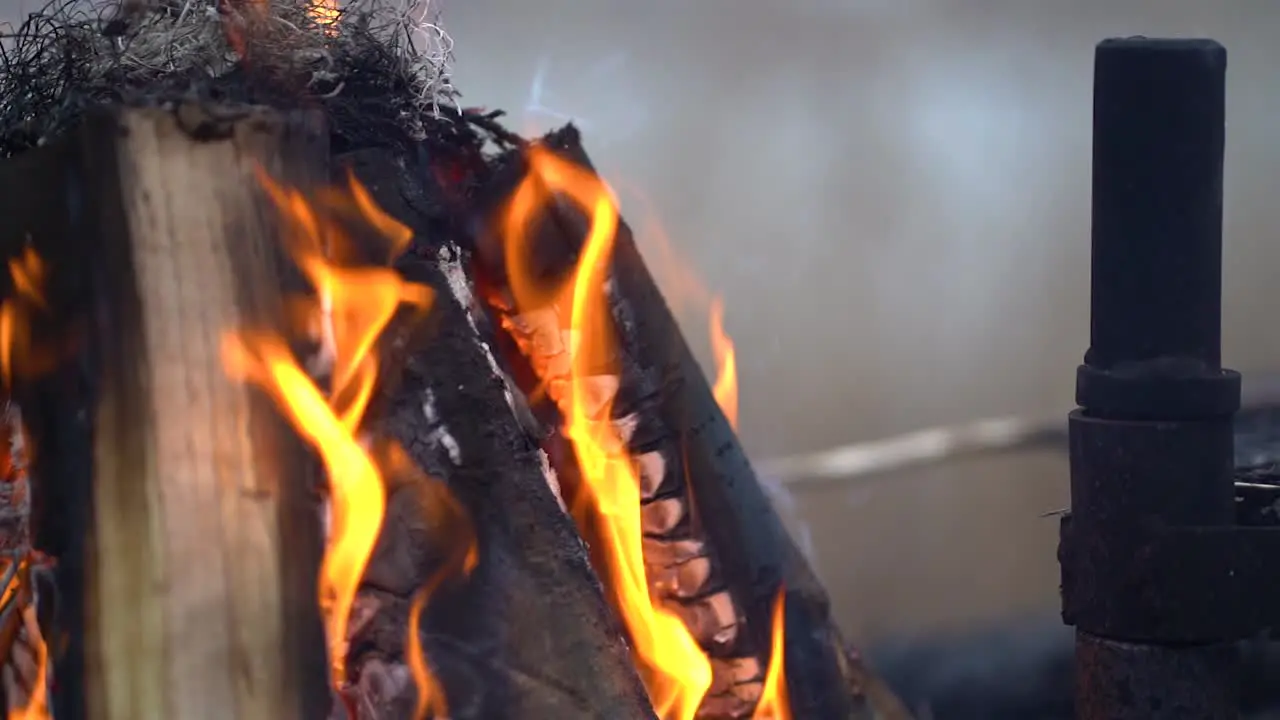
[[354, 307]]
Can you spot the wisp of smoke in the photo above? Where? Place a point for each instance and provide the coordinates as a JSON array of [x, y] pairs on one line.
[[785, 503]]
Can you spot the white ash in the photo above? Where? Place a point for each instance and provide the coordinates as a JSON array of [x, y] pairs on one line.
[[17, 437], [321, 363], [439, 433], [450, 263], [450, 258], [15, 487], [553, 481]]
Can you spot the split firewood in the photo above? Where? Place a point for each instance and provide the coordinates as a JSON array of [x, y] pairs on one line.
[[714, 549], [198, 554]]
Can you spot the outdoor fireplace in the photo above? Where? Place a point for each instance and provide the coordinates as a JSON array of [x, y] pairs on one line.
[[338, 400]]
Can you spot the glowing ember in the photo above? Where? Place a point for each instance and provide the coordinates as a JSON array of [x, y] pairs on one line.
[[774, 703], [675, 670], [355, 305], [726, 386]]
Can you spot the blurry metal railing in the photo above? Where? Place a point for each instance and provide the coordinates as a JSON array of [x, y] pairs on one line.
[[875, 461]]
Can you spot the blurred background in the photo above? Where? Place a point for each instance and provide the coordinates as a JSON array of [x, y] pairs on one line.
[[892, 197]]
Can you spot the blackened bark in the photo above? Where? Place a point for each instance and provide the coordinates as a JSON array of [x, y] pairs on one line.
[[752, 550], [528, 633]]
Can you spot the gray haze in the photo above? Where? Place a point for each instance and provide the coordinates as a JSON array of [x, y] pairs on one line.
[[892, 197]]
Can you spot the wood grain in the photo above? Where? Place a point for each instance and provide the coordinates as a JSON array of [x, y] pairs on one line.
[[200, 592]]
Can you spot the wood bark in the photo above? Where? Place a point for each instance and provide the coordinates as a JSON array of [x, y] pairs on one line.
[[190, 531], [528, 633], [714, 547]]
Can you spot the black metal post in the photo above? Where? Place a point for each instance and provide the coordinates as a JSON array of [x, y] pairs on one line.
[[1151, 443]]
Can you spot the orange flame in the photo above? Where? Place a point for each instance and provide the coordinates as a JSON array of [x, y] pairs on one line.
[[37, 706], [325, 13], [726, 385], [355, 305], [774, 703], [18, 355], [431, 699], [444, 515], [28, 273], [676, 672], [17, 596]]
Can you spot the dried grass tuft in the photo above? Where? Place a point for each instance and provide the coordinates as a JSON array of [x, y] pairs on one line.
[[379, 67]]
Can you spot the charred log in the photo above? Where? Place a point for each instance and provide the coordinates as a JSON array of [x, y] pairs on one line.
[[714, 548], [527, 634]]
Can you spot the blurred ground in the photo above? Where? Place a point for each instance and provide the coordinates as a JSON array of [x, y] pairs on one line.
[[893, 199]]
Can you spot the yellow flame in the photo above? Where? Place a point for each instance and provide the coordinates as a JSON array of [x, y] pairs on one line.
[[676, 672], [357, 304], [325, 13], [726, 385], [774, 703], [358, 497]]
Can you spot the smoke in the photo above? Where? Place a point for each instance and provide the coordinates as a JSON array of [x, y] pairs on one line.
[[558, 95], [785, 504]]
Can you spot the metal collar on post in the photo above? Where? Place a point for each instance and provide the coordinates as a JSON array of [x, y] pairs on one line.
[[1157, 579]]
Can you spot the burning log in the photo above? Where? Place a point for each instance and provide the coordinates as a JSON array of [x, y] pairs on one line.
[[171, 200], [528, 635], [197, 537], [715, 553]]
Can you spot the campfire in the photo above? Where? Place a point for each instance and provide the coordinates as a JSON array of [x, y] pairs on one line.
[[331, 398]]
